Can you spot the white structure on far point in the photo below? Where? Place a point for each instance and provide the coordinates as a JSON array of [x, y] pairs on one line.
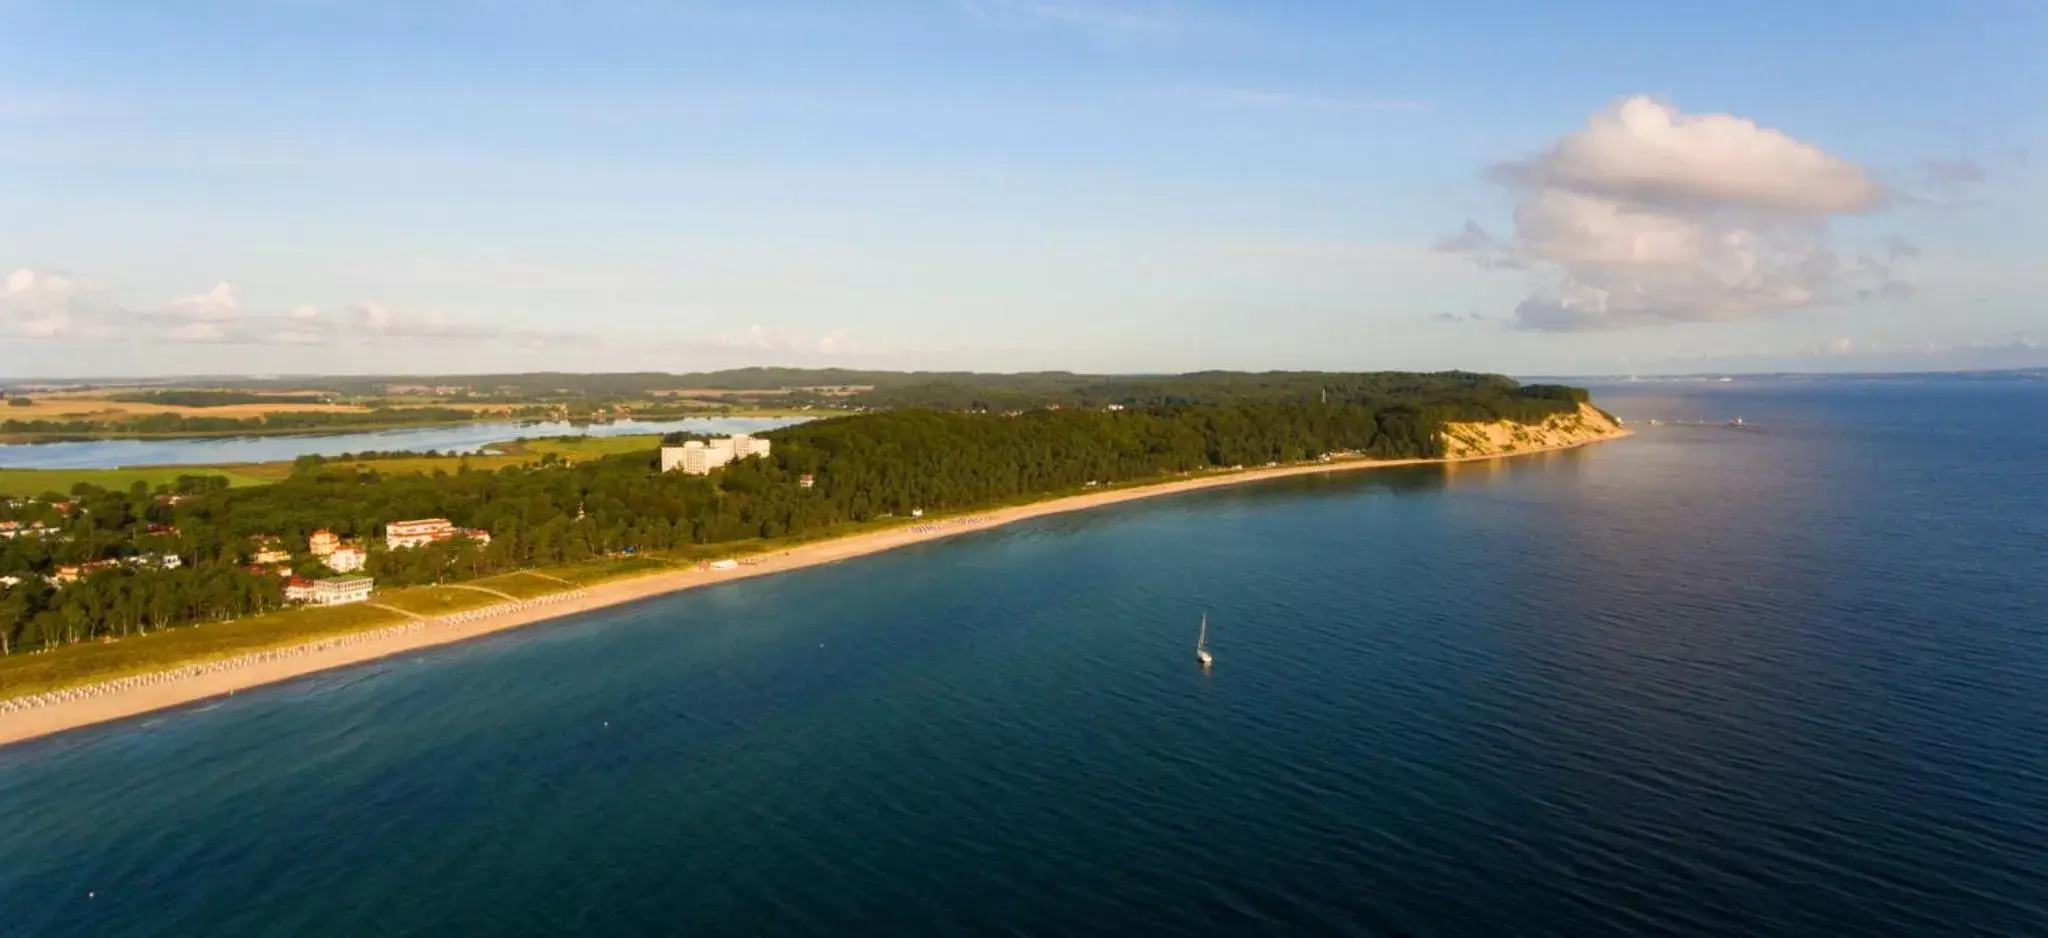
[[697, 457]]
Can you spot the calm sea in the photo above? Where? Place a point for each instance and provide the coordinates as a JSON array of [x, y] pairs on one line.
[[1790, 679]]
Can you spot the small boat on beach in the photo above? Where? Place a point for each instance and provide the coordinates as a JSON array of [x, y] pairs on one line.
[[1202, 645]]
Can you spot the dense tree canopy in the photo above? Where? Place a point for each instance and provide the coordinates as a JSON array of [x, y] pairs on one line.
[[865, 467]]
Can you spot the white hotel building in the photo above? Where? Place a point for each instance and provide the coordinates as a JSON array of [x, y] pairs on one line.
[[698, 458]]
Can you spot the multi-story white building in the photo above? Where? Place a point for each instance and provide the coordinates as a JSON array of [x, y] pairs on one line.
[[744, 446], [334, 591], [402, 534], [697, 457], [347, 558], [322, 542]]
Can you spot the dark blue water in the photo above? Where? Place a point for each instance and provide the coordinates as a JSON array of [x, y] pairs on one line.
[[1790, 680], [459, 438]]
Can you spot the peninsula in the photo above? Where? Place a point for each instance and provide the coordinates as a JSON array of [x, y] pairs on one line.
[[564, 538]]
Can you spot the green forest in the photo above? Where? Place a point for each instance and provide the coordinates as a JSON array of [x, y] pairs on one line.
[[866, 467], [216, 398]]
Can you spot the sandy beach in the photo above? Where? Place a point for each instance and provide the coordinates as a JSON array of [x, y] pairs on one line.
[[296, 661]]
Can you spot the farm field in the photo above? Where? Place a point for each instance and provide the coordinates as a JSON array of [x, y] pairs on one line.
[[23, 482]]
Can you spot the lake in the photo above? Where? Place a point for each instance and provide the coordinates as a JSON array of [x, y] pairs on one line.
[[462, 438], [1786, 679]]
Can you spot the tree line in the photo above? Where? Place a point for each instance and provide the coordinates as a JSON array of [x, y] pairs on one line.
[[864, 467]]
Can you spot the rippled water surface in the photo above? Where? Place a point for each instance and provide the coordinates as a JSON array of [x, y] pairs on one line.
[[1783, 680]]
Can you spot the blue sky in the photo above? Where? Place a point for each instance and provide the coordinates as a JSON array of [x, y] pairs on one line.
[[1119, 185]]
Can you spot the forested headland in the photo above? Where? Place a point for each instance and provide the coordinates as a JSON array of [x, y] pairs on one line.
[[864, 467]]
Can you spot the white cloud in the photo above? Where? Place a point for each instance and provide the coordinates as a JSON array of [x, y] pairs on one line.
[[379, 320], [1644, 151], [43, 304], [48, 304], [223, 303], [1648, 215]]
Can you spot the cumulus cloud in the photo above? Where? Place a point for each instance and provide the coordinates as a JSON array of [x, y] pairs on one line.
[[47, 304], [1649, 215], [43, 304], [1644, 151], [223, 303]]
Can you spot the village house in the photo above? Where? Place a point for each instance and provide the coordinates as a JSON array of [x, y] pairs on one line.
[[270, 550], [322, 542], [298, 589], [347, 558], [72, 573]]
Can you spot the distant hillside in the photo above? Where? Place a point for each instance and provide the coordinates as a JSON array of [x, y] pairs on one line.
[[946, 390]]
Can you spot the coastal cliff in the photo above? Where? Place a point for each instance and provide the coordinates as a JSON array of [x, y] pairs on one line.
[[1506, 437]]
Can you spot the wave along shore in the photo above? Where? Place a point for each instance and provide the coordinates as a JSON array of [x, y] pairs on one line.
[[54, 712]]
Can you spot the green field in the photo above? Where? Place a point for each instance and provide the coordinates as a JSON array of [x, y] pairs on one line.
[[580, 447], [435, 600], [40, 481]]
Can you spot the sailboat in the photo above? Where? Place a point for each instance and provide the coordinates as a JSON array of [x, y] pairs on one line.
[[1202, 644]]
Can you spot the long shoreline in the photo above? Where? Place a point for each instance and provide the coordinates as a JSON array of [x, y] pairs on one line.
[[289, 662]]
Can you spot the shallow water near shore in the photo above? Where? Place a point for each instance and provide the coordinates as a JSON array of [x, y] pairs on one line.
[[1785, 679]]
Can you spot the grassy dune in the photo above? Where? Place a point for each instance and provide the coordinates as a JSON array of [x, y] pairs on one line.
[[72, 665]]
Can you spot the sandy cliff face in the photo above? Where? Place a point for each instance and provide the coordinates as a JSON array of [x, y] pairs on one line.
[[1500, 438]]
